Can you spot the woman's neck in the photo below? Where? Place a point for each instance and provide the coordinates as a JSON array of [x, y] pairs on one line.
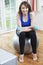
[[25, 17]]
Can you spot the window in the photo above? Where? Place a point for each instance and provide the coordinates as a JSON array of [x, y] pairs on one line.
[[7, 15], [10, 14], [0, 20]]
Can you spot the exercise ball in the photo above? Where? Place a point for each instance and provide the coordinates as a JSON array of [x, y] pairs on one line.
[[27, 48]]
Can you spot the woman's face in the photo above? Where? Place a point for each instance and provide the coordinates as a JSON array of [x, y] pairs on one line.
[[24, 9]]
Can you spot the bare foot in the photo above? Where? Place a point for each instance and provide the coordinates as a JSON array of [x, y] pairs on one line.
[[34, 57], [21, 58]]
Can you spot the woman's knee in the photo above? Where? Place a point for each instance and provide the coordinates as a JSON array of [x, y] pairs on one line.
[[33, 32]]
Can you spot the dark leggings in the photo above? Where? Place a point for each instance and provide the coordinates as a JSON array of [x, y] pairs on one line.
[[32, 36]]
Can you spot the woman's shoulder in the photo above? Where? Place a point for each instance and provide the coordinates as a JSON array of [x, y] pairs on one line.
[[18, 15], [31, 15]]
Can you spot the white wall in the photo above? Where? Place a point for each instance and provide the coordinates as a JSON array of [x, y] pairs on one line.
[[38, 20], [38, 14], [41, 2]]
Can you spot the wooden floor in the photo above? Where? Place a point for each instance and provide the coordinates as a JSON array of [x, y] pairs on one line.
[[6, 43]]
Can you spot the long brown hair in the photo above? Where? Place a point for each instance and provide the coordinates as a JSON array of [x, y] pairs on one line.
[[27, 6]]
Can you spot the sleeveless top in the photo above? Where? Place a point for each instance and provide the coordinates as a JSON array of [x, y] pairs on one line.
[[27, 23]]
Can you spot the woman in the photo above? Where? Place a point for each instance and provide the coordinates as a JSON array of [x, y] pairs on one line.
[[24, 18]]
